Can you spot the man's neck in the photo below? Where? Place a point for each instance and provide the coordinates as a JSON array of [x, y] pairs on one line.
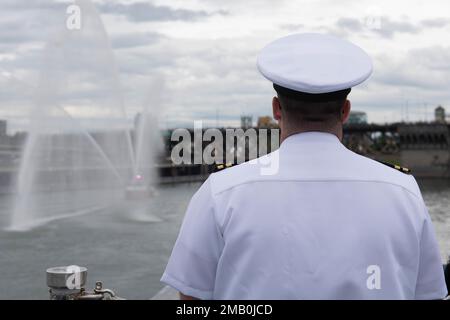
[[338, 132]]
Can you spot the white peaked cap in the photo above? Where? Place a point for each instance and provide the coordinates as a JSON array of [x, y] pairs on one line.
[[314, 63]]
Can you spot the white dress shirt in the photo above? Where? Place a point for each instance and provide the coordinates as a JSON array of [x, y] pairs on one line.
[[328, 224]]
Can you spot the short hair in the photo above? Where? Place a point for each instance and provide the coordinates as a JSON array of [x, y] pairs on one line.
[[301, 108]]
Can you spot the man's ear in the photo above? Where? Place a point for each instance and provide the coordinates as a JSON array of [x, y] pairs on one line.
[[276, 108], [346, 111]]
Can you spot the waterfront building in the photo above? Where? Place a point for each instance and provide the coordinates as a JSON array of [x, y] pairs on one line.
[[246, 122], [357, 117], [439, 115]]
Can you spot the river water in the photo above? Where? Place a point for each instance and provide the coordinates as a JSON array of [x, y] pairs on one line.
[[127, 246]]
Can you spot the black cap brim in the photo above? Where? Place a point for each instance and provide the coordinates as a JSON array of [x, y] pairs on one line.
[[312, 97]]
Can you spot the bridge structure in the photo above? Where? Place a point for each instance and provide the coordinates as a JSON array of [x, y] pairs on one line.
[[422, 147]]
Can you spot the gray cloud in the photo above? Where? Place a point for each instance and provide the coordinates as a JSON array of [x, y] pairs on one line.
[[145, 11], [385, 26], [132, 40], [435, 23], [203, 76], [350, 24], [424, 69], [24, 22], [435, 59], [389, 27], [292, 27], [27, 5]]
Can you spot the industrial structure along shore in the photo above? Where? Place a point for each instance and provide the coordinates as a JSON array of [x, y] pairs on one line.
[[423, 147]]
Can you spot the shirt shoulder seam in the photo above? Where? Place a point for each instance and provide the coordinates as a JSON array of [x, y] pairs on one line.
[[317, 180]]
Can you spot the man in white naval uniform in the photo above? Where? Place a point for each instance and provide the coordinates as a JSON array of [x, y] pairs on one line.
[[328, 224]]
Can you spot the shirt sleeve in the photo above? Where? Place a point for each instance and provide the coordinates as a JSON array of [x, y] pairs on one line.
[[192, 265], [430, 282]]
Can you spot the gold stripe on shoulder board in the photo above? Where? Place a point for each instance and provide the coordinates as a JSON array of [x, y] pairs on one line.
[[220, 167], [396, 167]]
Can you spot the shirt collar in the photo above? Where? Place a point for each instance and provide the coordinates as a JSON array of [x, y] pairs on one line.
[[311, 137], [313, 140]]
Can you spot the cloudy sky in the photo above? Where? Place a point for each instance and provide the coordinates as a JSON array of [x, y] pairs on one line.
[[186, 60]]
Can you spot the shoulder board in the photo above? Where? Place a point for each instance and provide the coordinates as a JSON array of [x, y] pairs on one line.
[[396, 167], [221, 167]]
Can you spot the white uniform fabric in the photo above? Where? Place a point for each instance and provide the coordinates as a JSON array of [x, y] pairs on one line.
[[308, 232], [314, 63]]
